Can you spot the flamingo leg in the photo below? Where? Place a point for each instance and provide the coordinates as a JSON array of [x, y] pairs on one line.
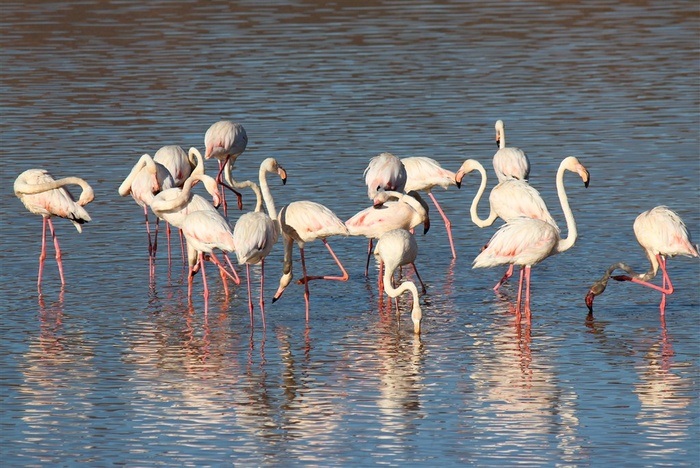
[[422, 285], [58, 251], [155, 238], [528, 270], [508, 274], [262, 288], [369, 253], [381, 278], [520, 293], [236, 279], [182, 244], [222, 271], [220, 180], [665, 289], [448, 225], [332, 278], [306, 283], [250, 300], [42, 255], [167, 235], [204, 277], [148, 231]]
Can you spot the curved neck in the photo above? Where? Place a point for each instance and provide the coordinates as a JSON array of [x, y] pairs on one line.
[[196, 160], [144, 161], [86, 196], [473, 211], [245, 184], [267, 195], [502, 139], [572, 232], [185, 195]]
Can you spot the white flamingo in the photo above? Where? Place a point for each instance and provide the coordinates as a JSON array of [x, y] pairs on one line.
[[527, 241], [256, 232], [396, 248], [661, 233], [225, 141], [43, 195], [509, 162]]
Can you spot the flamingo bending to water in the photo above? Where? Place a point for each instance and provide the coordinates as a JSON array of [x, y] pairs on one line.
[[302, 222], [527, 241], [396, 248], [661, 233], [225, 141], [43, 195], [424, 174], [256, 232]]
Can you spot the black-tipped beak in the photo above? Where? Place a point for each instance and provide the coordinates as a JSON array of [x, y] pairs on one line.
[[426, 227], [274, 299], [589, 301]]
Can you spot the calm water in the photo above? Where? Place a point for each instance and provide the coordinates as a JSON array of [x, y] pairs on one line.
[[117, 369]]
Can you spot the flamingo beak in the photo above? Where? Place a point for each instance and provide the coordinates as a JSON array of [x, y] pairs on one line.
[[458, 179], [426, 226], [283, 175], [589, 301]]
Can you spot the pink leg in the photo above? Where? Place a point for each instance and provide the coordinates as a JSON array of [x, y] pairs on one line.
[[155, 238], [236, 279], [369, 253], [520, 293], [148, 231], [190, 277], [665, 289], [167, 235], [182, 245], [262, 289], [250, 298], [528, 270], [42, 255], [221, 266], [448, 225], [58, 252], [422, 285], [220, 181], [306, 283], [204, 277], [508, 274], [381, 278], [332, 278]]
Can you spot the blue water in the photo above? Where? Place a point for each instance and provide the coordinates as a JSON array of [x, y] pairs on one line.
[[116, 368]]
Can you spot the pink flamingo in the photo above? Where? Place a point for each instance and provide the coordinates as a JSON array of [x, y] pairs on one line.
[[384, 172], [424, 174], [145, 180], [396, 248], [661, 233], [405, 212], [43, 195], [301, 222], [509, 163], [508, 200], [527, 241], [225, 141], [256, 232], [205, 231]]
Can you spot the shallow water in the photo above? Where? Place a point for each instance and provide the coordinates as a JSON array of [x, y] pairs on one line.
[[118, 369]]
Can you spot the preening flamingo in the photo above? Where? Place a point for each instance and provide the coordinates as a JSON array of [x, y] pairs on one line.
[[225, 141], [43, 195], [205, 231], [396, 248], [257, 232], [424, 174], [177, 162], [509, 162], [301, 222], [527, 241], [508, 200], [661, 233], [384, 172], [145, 180]]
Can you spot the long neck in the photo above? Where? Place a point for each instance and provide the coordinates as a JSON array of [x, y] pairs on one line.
[[245, 184], [502, 141], [144, 161], [416, 313], [196, 160], [267, 195], [477, 198], [572, 234], [181, 200], [86, 196]]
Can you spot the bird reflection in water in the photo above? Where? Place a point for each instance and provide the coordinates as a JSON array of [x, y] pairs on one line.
[[51, 326]]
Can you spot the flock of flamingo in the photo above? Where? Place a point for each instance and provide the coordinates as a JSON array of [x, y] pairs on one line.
[[529, 234]]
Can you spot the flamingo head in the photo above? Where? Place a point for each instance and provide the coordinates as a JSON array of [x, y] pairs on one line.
[[596, 290]]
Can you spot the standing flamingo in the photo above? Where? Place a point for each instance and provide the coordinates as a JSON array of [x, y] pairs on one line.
[[225, 141], [146, 179], [661, 233], [396, 248], [205, 231], [527, 241], [43, 195], [508, 200], [405, 212], [384, 172], [509, 163], [301, 222], [424, 174], [256, 232]]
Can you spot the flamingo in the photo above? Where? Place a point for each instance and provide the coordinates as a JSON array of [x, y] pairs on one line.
[[225, 141], [527, 241], [206, 230], [406, 212], [661, 233], [508, 200], [509, 163], [146, 179], [301, 222], [256, 232], [424, 174], [384, 172], [396, 248], [43, 195]]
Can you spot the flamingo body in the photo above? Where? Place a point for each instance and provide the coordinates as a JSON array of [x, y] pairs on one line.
[[225, 139], [509, 162], [407, 212], [384, 172], [176, 161]]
